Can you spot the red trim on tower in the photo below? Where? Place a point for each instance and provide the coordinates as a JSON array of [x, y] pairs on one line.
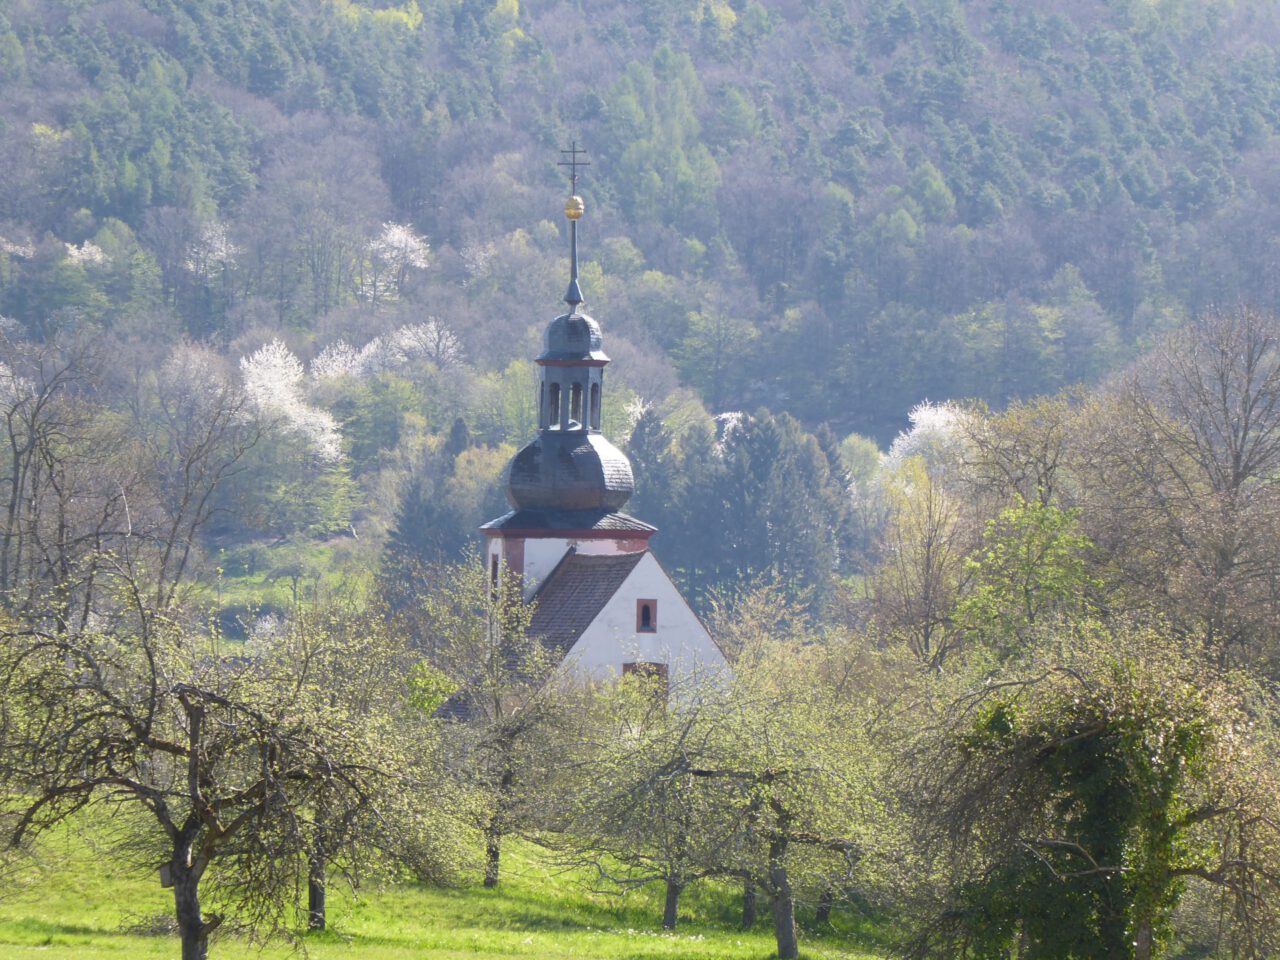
[[541, 533], [571, 363], [515, 556]]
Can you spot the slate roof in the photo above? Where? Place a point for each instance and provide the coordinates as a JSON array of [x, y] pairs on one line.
[[574, 593], [569, 520], [573, 336], [569, 470]]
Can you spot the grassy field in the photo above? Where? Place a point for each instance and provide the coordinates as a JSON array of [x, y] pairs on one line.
[[73, 903]]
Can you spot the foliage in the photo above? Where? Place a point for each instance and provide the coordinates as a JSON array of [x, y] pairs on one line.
[[1079, 793], [1030, 568]]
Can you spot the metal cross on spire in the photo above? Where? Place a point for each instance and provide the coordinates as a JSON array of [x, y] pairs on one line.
[[573, 209], [573, 163]]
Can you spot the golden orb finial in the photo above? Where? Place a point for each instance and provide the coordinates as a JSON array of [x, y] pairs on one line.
[[574, 208]]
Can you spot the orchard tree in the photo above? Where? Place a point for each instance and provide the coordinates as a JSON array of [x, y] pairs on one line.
[[625, 812], [229, 757], [354, 662]]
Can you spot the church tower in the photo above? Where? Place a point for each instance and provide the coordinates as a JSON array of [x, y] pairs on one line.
[[601, 598]]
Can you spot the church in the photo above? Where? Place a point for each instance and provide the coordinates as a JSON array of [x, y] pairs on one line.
[[601, 598]]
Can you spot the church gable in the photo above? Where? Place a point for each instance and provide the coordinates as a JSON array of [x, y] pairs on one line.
[[621, 634]]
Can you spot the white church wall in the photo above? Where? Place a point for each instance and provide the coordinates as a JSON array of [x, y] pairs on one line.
[[541, 554], [680, 640]]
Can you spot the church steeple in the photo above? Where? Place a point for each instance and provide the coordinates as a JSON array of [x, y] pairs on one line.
[[566, 541], [570, 466]]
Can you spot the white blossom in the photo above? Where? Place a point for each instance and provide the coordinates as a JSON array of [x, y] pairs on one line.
[[934, 435], [399, 246], [431, 341], [273, 379], [211, 251], [391, 255], [16, 249], [338, 359], [265, 631], [87, 253], [728, 425]]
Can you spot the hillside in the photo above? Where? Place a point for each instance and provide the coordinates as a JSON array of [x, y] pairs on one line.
[[827, 211]]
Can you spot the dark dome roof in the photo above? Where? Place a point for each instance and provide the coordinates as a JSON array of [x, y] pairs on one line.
[[573, 336], [571, 470]]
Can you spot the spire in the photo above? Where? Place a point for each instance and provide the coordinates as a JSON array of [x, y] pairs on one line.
[[574, 208]]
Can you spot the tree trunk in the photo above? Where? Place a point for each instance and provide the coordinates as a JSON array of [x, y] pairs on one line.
[[316, 890], [784, 904], [671, 910], [824, 906], [748, 904], [1144, 942], [186, 904], [493, 831], [492, 852]]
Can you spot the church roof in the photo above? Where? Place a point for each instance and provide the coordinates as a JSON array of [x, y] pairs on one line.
[[575, 592], [565, 520], [571, 470]]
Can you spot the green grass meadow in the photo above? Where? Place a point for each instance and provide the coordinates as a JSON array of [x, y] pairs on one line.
[[71, 901]]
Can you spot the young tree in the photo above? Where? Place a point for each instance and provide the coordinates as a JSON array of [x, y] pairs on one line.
[[922, 570], [477, 634]]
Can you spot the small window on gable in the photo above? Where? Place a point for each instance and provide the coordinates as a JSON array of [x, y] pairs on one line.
[[646, 616]]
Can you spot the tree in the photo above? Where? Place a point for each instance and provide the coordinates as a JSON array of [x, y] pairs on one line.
[[229, 757], [361, 670], [1182, 489], [628, 817], [922, 569], [194, 427], [1071, 800], [1031, 568], [64, 487], [476, 633], [744, 781]]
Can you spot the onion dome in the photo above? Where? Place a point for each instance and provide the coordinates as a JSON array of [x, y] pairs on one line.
[[576, 470], [573, 336]]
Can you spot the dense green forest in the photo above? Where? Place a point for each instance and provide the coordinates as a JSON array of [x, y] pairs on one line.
[[828, 212]]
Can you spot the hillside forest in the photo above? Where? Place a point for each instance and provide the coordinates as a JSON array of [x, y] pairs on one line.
[[946, 353]]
